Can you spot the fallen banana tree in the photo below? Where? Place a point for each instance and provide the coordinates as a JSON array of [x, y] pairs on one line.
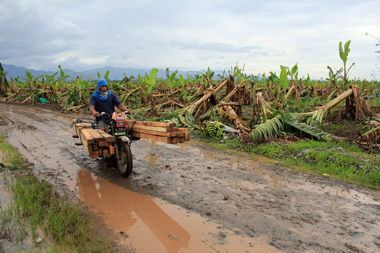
[[276, 124]]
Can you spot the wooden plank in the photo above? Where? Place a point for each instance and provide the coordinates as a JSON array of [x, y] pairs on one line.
[[95, 147], [150, 123], [95, 154], [104, 144], [100, 152], [152, 128], [76, 130], [152, 137], [106, 153], [184, 130], [112, 150], [85, 135], [174, 140], [88, 148], [182, 140], [97, 137], [107, 137], [83, 124], [79, 126], [170, 134]]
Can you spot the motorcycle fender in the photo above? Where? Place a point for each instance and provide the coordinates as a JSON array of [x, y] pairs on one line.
[[125, 139]]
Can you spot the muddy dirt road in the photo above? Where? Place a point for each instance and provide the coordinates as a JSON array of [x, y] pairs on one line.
[[188, 198]]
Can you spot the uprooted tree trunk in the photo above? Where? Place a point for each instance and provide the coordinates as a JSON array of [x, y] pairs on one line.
[[3, 82], [367, 108], [225, 100], [261, 106], [191, 108], [352, 94], [228, 113]]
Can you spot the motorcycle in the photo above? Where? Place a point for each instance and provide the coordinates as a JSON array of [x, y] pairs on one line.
[[116, 125]]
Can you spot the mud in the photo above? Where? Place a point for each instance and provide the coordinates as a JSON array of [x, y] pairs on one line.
[[187, 197]]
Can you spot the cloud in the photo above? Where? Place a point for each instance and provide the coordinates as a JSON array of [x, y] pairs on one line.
[[189, 35], [96, 60], [213, 46]]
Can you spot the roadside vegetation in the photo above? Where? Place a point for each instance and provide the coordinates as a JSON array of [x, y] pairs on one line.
[[278, 115], [342, 160], [35, 207]]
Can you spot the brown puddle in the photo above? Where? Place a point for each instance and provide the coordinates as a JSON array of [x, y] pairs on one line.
[[153, 225]]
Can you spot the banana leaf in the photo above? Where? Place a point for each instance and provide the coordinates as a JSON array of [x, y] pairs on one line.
[[267, 129], [310, 130]]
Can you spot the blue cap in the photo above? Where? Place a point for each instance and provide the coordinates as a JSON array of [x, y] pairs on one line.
[[101, 83]]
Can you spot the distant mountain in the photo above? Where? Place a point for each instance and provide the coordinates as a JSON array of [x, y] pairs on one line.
[[14, 71], [115, 73]]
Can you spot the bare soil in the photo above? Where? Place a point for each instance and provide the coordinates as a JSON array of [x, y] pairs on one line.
[[255, 198]]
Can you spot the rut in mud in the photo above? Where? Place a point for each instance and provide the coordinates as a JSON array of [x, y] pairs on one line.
[[187, 198]]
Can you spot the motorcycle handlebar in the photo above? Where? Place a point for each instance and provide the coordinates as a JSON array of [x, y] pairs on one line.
[[102, 114]]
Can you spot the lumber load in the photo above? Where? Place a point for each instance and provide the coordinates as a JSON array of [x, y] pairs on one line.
[[100, 144], [96, 142], [158, 131]]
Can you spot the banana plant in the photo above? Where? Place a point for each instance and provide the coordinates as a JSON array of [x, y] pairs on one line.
[[334, 76], [171, 80], [50, 78], [343, 53], [238, 74], [17, 79], [106, 75], [62, 76], [273, 78], [264, 81], [31, 80], [183, 88], [293, 72], [148, 84], [222, 76], [284, 82], [209, 73]]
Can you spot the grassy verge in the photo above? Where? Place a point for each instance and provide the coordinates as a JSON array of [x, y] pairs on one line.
[[342, 160], [36, 206]]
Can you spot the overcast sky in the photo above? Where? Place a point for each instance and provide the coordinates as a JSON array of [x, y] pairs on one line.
[[190, 35]]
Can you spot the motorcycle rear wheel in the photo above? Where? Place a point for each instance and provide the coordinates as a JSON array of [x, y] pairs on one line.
[[124, 163]]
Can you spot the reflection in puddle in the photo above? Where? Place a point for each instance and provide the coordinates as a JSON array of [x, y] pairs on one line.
[[182, 146], [152, 161], [153, 225], [277, 182], [132, 213]]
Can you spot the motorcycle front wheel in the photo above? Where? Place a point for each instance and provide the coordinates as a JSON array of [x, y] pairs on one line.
[[124, 163]]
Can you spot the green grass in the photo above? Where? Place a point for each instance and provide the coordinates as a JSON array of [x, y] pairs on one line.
[[345, 128], [342, 160], [374, 102], [10, 156], [339, 159], [35, 204]]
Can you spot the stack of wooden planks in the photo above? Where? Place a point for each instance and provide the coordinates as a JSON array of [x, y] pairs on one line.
[[96, 142], [158, 131], [99, 144]]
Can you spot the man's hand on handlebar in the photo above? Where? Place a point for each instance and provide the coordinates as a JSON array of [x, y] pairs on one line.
[[95, 114]]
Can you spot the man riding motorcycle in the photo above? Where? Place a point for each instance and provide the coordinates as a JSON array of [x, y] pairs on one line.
[[104, 101]]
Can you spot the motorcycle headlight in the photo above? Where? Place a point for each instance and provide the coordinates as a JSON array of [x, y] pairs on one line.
[[120, 123]]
